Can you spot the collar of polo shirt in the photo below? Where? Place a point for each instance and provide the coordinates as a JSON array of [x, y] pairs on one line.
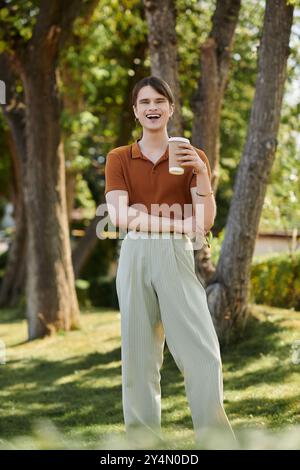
[[136, 151]]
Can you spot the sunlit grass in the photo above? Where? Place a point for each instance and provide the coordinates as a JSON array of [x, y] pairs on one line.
[[65, 391]]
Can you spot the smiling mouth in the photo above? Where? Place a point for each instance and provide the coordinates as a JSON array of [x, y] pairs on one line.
[[153, 118]]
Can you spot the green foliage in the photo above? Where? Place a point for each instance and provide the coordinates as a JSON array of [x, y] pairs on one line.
[[100, 62], [95, 286], [292, 2], [84, 197], [99, 262], [102, 292], [275, 280], [3, 261], [17, 20], [216, 245], [82, 288]]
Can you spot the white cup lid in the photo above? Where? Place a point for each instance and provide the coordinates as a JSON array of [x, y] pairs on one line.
[[180, 139]]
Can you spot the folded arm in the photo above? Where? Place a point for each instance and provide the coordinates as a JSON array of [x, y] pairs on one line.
[[127, 217]]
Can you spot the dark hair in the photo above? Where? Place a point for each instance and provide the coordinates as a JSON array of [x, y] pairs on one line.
[[157, 83]]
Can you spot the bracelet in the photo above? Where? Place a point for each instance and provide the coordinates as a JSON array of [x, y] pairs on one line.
[[204, 195], [197, 172]]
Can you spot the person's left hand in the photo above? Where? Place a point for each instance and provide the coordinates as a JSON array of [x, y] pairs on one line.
[[189, 157]]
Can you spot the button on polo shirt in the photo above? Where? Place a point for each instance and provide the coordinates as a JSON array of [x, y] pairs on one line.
[[151, 184]]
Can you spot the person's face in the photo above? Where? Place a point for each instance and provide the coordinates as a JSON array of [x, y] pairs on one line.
[[149, 101]]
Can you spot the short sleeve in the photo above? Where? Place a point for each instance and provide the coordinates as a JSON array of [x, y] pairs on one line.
[[204, 158], [114, 175]]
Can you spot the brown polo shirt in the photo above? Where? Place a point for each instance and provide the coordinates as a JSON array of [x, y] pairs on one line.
[[148, 183]]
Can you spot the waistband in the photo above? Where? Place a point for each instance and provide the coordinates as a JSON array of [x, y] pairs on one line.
[[134, 234]]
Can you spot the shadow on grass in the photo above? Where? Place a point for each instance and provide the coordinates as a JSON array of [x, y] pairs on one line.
[[281, 409], [260, 337], [33, 390], [36, 392], [36, 388]]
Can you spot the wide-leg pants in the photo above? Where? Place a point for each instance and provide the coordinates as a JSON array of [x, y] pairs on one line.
[[160, 297]]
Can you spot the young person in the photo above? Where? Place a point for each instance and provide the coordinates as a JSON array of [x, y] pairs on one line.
[[160, 296]]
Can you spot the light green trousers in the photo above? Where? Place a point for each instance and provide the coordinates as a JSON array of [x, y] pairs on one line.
[[160, 297]]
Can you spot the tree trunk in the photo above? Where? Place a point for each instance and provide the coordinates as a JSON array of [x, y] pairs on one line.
[[215, 62], [228, 290], [51, 296], [163, 52]]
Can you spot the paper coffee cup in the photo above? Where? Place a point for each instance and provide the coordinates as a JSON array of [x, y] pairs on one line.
[[174, 165]]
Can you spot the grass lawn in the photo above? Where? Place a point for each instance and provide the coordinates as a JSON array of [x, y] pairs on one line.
[[73, 380]]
